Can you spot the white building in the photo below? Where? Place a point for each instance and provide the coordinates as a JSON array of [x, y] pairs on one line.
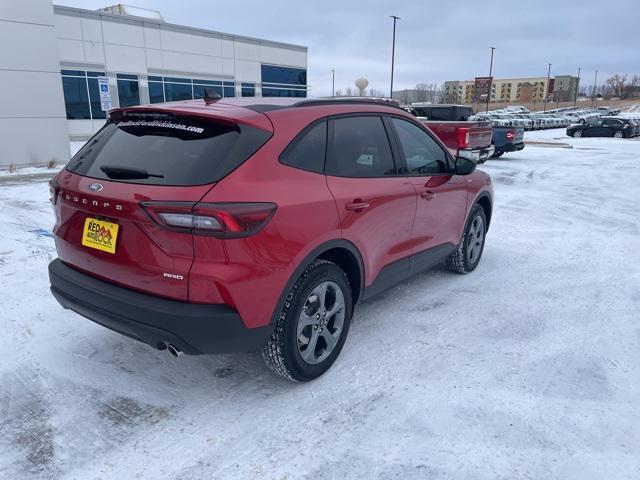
[[51, 58]]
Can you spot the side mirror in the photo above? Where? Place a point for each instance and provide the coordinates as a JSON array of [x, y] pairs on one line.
[[464, 166]]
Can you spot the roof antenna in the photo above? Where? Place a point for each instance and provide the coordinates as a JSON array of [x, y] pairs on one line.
[[211, 96]]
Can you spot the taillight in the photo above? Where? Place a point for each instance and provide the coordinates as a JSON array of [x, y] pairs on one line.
[[53, 191], [463, 137], [224, 220], [510, 135]]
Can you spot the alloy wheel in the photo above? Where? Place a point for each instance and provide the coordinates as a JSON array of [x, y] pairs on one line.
[[475, 239], [320, 322]]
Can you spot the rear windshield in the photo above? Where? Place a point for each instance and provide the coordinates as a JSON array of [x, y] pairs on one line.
[[173, 150], [445, 114]]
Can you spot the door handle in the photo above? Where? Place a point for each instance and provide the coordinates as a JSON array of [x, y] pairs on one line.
[[428, 195], [356, 206]]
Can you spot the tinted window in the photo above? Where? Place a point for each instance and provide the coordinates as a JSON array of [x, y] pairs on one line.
[[199, 90], [283, 92], [248, 90], [180, 150], [359, 148], [307, 150], [441, 114], [156, 93], [128, 91], [283, 81], [229, 89], [76, 98], [283, 75], [422, 154], [177, 91]]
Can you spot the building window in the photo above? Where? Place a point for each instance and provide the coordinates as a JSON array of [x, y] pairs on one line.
[[283, 81], [128, 90], [171, 89], [81, 95], [248, 89]]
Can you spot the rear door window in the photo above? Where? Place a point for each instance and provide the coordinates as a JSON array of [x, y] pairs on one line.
[[441, 114], [359, 147], [307, 150], [172, 150]]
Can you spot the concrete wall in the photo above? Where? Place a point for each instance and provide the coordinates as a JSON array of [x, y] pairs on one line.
[[33, 126]]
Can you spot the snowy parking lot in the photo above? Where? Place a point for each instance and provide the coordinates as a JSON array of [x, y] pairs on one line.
[[527, 368]]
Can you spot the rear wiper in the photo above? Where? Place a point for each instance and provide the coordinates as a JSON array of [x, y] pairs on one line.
[[113, 171]]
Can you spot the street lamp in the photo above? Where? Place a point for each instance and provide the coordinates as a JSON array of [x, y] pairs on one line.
[[575, 96], [490, 78], [393, 51], [595, 85], [333, 83], [546, 89]]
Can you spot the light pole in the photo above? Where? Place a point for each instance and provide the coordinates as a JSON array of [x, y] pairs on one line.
[[393, 51], [546, 88], [333, 83], [490, 78], [595, 85], [575, 96]]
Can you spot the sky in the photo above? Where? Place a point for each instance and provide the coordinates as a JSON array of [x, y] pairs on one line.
[[435, 41]]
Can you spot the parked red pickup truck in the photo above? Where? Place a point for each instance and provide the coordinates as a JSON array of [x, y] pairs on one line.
[[466, 139]]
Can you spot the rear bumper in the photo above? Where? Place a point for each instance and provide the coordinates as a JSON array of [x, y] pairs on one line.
[[512, 147], [479, 155], [193, 328]]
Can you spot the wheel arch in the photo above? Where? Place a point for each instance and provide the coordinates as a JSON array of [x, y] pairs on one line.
[[339, 251], [486, 202]]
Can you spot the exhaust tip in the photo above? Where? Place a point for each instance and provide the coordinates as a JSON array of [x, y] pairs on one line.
[[173, 350]]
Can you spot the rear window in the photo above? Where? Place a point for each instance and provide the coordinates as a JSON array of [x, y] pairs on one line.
[[173, 150], [445, 114]]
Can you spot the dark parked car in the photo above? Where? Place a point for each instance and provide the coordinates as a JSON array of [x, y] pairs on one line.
[[603, 127]]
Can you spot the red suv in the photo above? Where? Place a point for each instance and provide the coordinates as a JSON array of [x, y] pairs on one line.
[[232, 225]]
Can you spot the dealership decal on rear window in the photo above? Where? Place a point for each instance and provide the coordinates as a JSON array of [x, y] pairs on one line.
[[160, 124]]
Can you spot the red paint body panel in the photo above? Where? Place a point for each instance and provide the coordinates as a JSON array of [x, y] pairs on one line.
[[479, 135], [144, 252], [439, 197], [382, 230], [250, 274]]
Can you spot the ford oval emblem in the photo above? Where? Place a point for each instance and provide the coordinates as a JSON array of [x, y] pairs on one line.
[[95, 187]]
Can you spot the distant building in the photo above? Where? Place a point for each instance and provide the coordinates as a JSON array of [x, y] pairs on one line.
[[522, 90]]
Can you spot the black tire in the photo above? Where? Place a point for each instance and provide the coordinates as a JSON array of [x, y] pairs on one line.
[[577, 134], [281, 353], [497, 154], [460, 260]]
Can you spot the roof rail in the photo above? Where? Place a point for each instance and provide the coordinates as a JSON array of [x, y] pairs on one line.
[[312, 102]]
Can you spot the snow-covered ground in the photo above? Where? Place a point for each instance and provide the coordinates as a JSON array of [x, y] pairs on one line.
[[527, 368]]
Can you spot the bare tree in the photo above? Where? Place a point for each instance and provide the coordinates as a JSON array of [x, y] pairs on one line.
[[618, 84], [339, 93], [421, 92], [404, 96], [374, 92], [632, 85]]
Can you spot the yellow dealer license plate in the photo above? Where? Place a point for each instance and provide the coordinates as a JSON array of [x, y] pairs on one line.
[[100, 235]]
